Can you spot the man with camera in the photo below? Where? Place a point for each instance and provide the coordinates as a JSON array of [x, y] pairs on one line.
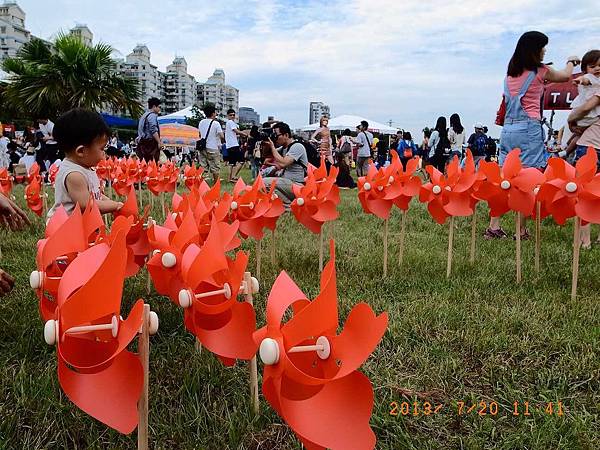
[[290, 156]]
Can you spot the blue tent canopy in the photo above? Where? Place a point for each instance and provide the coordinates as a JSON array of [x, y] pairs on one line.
[[116, 121]]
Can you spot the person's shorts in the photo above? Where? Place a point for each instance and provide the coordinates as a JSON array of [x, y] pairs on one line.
[[234, 156], [210, 161], [581, 150]]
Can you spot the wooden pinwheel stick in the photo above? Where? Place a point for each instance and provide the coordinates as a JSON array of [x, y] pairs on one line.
[[144, 352], [385, 246], [538, 235], [402, 238], [162, 205], [273, 249], [576, 248], [140, 194], [450, 246], [473, 235], [249, 281], [258, 257], [321, 245], [518, 246]]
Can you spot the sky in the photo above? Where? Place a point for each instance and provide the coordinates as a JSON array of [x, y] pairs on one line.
[[406, 61]]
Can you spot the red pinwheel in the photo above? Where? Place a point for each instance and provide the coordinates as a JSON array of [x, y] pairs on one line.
[[373, 192], [64, 240], [404, 184], [152, 180], [33, 196], [316, 201], [95, 370], [121, 181], [192, 176], [169, 245], [167, 177], [6, 182], [34, 174], [310, 375], [52, 172], [137, 237], [570, 191], [511, 188], [249, 207], [212, 312]]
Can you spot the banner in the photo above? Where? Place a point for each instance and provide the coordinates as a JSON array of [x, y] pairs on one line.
[[559, 96]]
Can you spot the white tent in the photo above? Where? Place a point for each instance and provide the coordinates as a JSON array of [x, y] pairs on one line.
[[340, 123], [176, 117]]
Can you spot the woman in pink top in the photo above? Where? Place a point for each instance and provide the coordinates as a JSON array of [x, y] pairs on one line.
[[523, 92]]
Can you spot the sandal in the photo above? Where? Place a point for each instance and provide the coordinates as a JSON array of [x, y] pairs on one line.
[[525, 236], [494, 234]]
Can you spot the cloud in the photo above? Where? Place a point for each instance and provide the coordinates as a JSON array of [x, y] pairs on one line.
[[406, 61]]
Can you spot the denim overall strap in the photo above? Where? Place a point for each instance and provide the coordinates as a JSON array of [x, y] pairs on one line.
[[514, 109]]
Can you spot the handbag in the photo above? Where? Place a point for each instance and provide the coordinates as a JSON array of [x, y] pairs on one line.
[[201, 143], [501, 113]]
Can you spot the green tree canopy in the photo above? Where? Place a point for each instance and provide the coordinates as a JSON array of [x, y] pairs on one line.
[[45, 81]]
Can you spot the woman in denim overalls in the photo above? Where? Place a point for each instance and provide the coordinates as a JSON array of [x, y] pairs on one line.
[[522, 123]]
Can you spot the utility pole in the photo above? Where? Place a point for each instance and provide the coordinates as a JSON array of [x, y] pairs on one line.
[[390, 122]]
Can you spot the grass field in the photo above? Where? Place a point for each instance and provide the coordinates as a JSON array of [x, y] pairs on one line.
[[477, 338]]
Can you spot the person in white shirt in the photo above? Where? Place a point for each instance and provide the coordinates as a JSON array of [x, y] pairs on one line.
[[50, 146], [364, 139], [210, 130], [4, 158], [456, 136], [235, 156], [28, 158]]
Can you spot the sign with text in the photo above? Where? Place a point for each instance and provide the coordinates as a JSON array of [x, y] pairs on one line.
[[559, 96]]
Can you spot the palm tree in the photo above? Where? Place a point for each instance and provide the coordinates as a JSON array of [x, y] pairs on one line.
[[45, 81]]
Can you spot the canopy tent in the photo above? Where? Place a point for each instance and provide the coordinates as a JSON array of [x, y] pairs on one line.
[[177, 117], [177, 135], [116, 121], [340, 123]]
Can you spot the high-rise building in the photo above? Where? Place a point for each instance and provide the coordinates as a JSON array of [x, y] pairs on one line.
[[316, 110], [215, 91], [180, 87], [247, 115], [137, 65], [13, 33], [83, 33]]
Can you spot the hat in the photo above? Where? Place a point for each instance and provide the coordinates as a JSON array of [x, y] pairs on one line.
[[478, 125]]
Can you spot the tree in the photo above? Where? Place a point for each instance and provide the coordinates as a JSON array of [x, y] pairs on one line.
[[45, 81], [197, 116]]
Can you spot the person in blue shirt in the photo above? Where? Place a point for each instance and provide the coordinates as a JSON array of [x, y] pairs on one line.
[[406, 148]]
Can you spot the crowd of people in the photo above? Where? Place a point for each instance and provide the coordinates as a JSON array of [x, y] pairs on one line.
[[81, 138]]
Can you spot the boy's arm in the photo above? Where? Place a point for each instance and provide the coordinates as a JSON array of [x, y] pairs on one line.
[[78, 190]]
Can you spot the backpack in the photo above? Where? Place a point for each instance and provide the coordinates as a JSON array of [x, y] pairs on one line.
[[346, 147], [480, 145], [312, 153], [443, 146]]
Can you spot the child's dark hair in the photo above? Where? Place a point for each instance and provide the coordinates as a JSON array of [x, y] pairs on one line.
[[589, 58], [77, 127], [152, 102]]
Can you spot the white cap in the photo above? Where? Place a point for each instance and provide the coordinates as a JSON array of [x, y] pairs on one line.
[[478, 125]]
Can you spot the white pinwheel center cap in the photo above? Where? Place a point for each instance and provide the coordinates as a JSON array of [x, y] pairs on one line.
[[367, 186], [436, 189], [185, 298], [51, 332], [391, 180], [251, 205], [234, 205], [269, 351], [536, 190], [153, 325], [168, 260], [380, 188], [505, 184], [300, 201], [35, 279], [571, 187]]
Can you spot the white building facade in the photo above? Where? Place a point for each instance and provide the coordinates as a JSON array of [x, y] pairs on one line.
[[13, 33], [137, 65], [180, 87], [217, 92], [316, 110]]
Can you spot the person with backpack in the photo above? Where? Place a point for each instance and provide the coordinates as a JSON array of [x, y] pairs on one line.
[[490, 148], [211, 137], [290, 155], [407, 149], [148, 140], [364, 139], [478, 144], [439, 145]]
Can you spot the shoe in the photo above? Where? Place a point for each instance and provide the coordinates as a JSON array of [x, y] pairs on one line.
[[494, 234], [525, 236], [586, 246]]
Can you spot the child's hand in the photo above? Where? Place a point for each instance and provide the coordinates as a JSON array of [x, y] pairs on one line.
[[6, 283], [119, 205], [582, 80]]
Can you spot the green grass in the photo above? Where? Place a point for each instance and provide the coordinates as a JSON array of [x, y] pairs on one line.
[[475, 337]]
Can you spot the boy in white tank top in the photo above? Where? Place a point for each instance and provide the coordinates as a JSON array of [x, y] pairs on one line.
[[82, 135]]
